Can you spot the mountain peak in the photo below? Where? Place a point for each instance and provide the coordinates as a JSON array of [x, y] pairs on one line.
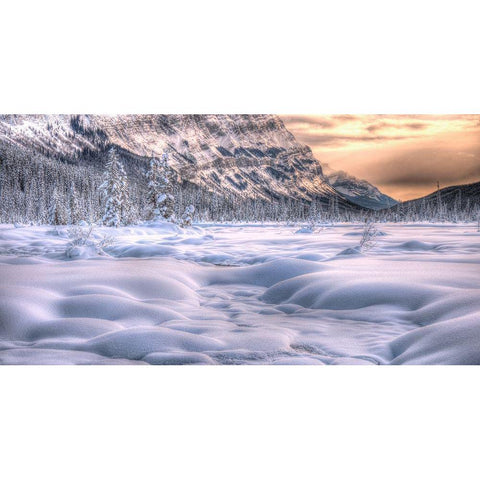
[[356, 190]]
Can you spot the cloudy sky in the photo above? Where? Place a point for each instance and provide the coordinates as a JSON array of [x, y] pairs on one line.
[[403, 155]]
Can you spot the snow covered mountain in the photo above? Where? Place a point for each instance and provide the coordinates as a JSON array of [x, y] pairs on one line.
[[357, 191], [250, 156]]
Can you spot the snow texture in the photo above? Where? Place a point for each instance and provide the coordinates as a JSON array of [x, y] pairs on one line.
[[240, 294]]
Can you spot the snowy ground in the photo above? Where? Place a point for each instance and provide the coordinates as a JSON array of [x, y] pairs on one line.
[[256, 294]]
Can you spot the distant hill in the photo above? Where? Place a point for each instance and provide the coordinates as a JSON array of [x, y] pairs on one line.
[[462, 196], [460, 202]]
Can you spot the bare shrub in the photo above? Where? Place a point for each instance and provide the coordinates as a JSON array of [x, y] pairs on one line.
[[369, 237], [81, 238]]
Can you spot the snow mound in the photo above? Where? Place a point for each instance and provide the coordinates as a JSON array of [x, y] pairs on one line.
[[45, 356], [82, 251], [327, 291], [417, 245], [137, 342], [350, 251], [449, 342], [305, 230]]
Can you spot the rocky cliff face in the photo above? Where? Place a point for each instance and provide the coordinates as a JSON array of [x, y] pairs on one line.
[[245, 155], [251, 155]]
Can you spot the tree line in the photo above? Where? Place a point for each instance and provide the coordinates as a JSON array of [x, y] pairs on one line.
[[115, 189]]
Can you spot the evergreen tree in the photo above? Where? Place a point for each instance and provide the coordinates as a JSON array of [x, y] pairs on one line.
[[187, 217], [154, 188], [115, 191], [74, 205], [126, 208], [165, 198], [313, 215], [56, 212]]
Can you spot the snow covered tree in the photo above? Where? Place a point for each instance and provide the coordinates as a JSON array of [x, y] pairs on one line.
[[187, 217], [154, 188], [161, 200], [314, 216], [440, 206], [165, 197], [56, 211], [477, 214], [126, 206], [74, 206], [115, 191]]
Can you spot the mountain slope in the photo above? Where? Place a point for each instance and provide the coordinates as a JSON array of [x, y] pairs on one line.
[[247, 156], [357, 191], [250, 155], [460, 197]]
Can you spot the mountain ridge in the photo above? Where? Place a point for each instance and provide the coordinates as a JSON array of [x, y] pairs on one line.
[[252, 156]]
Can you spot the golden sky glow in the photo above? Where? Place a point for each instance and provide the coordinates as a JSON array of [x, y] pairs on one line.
[[403, 155]]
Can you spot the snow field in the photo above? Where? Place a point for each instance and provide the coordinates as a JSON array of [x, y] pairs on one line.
[[236, 294]]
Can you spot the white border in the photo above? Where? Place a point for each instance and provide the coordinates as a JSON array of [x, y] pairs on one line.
[[249, 57], [239, 422], [373, 56]]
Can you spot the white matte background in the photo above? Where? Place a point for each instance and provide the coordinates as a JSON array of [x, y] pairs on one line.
[[239, 57]]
